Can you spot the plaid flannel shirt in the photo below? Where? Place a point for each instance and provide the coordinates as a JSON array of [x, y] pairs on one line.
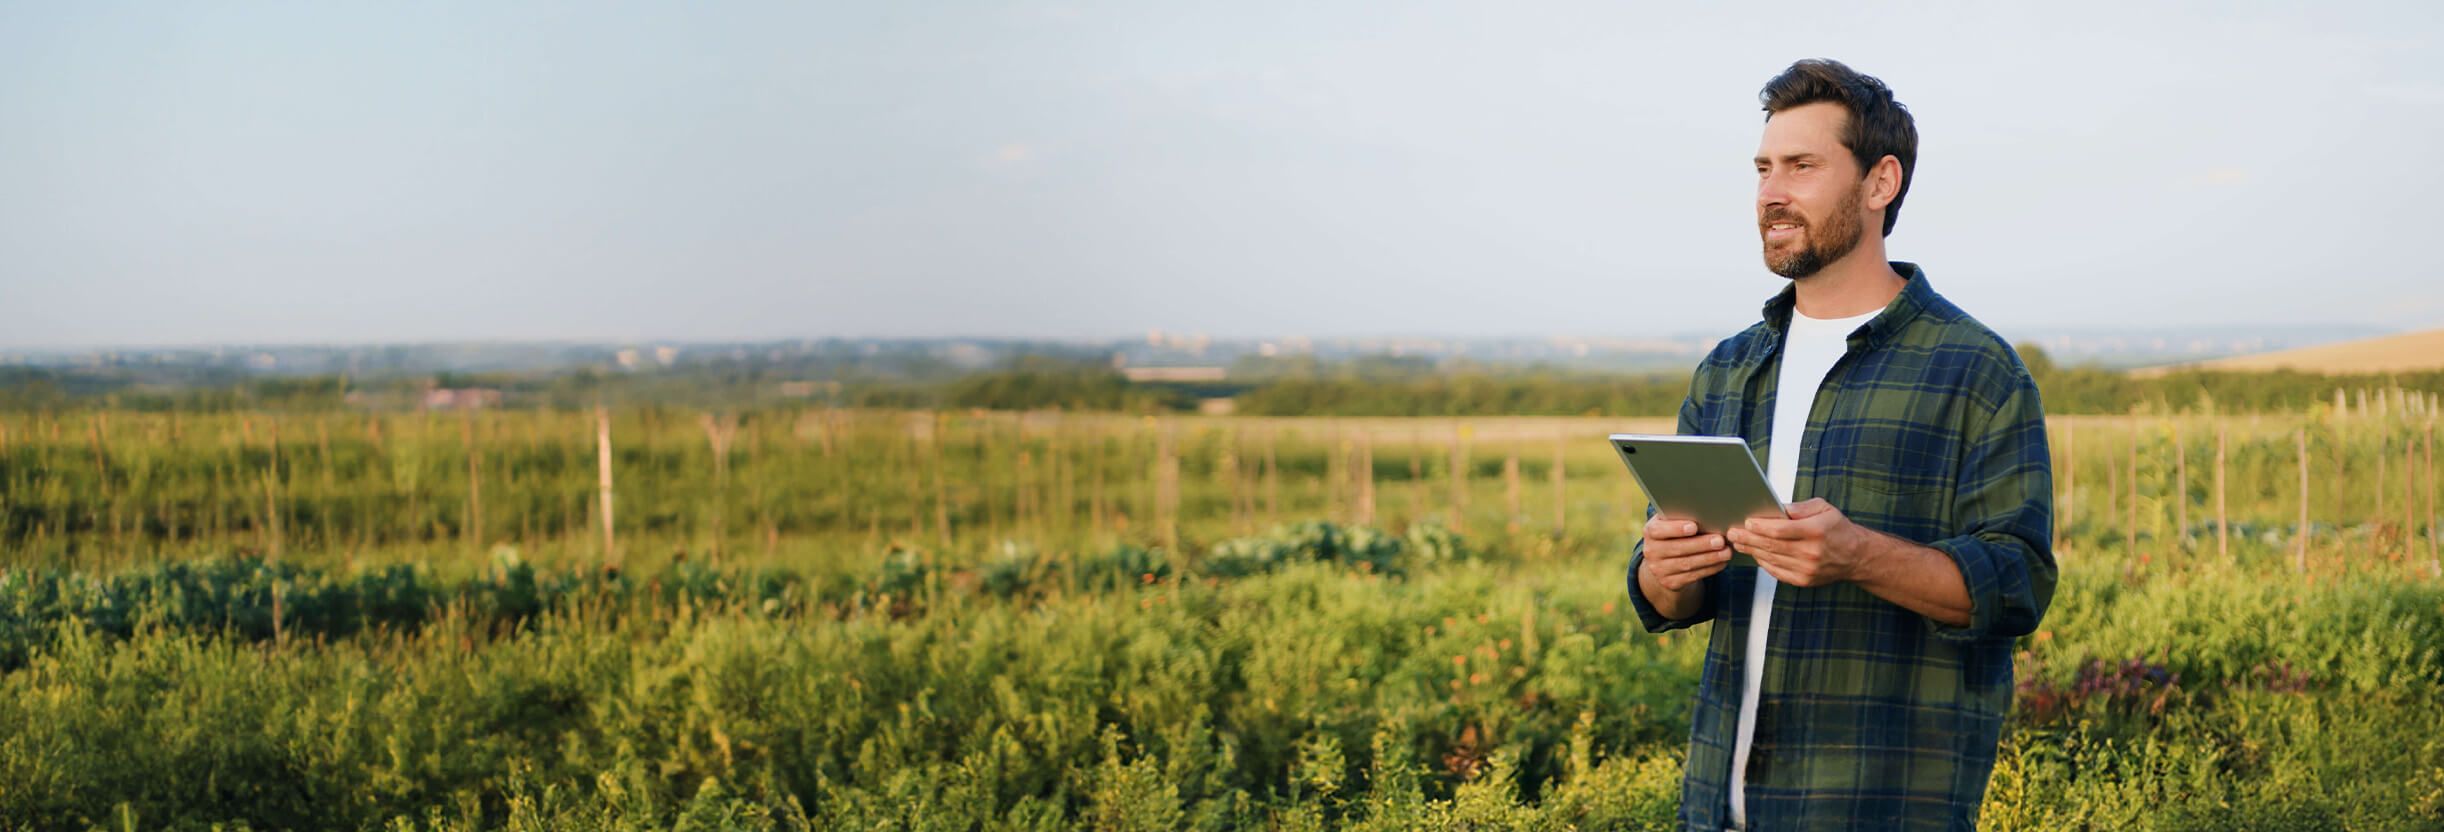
[[1871, 716]]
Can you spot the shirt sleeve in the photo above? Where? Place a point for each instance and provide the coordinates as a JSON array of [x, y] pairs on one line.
[[2006, 500], [1647, 616]]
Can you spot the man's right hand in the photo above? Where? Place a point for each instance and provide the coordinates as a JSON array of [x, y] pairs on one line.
[[1676, 560]]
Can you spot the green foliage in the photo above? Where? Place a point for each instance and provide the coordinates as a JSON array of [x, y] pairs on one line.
[[2077, 389], [1474, 393], [1039, 385], [1481, 693], [1040, 671]]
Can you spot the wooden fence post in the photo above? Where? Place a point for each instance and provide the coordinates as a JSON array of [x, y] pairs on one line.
[[2070, 474], [1167, 489], [2130, 523], [1417, 478], [1272, 477], [2180, 468], [1459, 479], [1510, 491], [2430, 441], [1339, 455], [941, 488], [1561, 481], [2300, 557], [602, 455], [2223, 522], [1366, 478], [2410, 495], [473, 535]]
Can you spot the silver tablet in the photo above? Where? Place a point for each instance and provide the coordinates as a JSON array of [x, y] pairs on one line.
[[1713, 480]]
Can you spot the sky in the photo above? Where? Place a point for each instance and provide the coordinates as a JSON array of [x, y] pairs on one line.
[[312, 172]]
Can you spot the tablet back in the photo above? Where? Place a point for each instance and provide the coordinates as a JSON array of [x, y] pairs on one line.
[[1713, 480]]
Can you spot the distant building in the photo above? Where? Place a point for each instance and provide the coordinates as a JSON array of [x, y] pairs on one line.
[[460, 398]]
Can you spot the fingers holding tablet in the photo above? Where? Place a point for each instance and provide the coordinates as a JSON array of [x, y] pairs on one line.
[[1678, 555]]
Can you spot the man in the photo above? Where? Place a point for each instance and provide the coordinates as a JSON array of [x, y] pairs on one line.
[[1858, 676]]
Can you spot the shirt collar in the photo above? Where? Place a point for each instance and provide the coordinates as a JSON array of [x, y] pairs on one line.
[[1915, 295]]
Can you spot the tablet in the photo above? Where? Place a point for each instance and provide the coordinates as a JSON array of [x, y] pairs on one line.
[[1713, 480]]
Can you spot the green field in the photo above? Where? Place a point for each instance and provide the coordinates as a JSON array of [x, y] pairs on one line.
[[864, 619]]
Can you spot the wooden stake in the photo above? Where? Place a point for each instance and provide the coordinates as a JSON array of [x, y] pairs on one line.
[[1167, 489], [473, 535], [1417, 478], [1459, 479], [2300, 558], [271, 492], [602, 456], [1272, 479], [1101, 518], [271, 518], [1366, 478], [985, 490], [1024, 512], [2180, 467], [1063, 518], [2430, 443], [2130, 524], [1228, 471], [2223, 525], [2113, 488], [1510, 491], [941, 488], [2070, 474], [1561, 478], [718, 431], [916, 491], [1338, 454], [2410, 497]]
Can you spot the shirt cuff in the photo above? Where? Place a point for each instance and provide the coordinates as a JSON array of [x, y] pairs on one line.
[[1982, 576], [1647, 616]]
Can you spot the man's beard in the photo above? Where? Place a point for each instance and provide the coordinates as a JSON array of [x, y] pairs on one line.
[[1841, 234]]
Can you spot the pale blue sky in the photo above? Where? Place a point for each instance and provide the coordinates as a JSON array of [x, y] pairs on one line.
[[178, 173]]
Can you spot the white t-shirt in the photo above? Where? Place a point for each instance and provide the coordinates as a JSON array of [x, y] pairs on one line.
[[1809, 351]]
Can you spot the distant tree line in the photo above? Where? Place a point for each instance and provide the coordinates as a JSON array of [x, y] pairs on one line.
[[2083, 389], [1294, 386]]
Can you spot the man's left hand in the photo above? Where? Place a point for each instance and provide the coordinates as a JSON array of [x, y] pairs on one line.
[[1817, 546]]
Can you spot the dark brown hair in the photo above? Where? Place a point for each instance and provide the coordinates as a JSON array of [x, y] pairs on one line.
[[1878, 126]]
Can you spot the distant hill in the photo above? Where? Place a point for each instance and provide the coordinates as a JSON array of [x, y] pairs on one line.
[[2407, 352]]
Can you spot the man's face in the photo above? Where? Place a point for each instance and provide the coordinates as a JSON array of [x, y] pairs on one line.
[[1809, 190]]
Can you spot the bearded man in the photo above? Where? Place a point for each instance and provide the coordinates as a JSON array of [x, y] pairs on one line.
[[1857, 677]]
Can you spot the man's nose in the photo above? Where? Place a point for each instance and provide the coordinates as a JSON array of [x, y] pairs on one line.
[[1770, 192]]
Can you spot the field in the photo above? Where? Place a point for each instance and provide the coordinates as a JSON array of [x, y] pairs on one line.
[[2406, 352], [869, 619]]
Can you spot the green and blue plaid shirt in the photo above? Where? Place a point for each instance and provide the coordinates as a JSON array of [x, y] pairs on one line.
[[1871, 716]]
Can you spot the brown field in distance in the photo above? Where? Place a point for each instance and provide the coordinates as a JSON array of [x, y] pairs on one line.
[[2411, 351]]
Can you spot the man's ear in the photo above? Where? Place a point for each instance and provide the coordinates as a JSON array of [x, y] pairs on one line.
[[1883, 183]]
